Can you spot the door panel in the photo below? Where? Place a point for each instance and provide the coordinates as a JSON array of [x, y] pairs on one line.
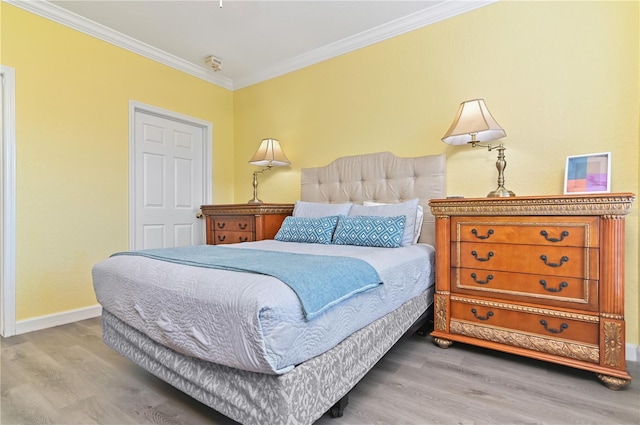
[[153, 180]]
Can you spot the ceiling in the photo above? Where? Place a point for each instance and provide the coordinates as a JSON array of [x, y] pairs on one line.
[[255, 40]]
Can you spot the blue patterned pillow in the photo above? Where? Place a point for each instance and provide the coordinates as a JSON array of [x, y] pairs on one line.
[[408, 208], [360, 230], [309, 230]]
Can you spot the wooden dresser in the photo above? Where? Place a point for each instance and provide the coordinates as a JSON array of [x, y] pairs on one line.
[[233, 223], [540, 276]]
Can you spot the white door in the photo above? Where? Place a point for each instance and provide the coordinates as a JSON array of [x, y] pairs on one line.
[[169, 181]]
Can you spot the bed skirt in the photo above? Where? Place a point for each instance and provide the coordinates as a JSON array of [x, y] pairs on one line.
[[300, 396]]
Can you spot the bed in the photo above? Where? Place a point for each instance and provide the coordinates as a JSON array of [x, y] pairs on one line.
[[253, 382]]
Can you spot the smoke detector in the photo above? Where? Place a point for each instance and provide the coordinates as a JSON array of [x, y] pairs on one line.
[[213, 63]]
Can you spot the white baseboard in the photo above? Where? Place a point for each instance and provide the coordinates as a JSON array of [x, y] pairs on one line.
[[57, 319]]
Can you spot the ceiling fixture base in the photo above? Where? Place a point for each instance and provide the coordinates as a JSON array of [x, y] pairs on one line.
[[213, 63]]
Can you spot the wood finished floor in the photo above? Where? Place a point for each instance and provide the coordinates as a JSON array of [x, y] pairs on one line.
[[66, 375]]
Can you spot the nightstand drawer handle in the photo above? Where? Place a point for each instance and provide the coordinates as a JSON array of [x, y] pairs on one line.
[[221, 225], [242, 226], [563, 260], [563, 235], [241, 239], [475, 233], [481, 282], [221, 238], [560, 288], [563, 326], [475, 314], [475, 255]]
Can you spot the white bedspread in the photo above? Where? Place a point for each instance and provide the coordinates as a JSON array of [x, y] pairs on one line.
[[249, 321]]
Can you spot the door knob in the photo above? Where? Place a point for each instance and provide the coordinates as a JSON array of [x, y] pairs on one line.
[[199, 214]]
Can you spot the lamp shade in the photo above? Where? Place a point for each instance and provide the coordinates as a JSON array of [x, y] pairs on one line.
[[473, 118], [269, 154]]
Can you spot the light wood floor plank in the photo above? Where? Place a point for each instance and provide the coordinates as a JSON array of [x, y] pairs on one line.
[[67, 375]]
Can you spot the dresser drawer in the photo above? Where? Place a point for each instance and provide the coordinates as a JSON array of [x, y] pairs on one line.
[[556, 291], [544, 323], [233, 224], [536, 259], [224, 237], [553, 231]]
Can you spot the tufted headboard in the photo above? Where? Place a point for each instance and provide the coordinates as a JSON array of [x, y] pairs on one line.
[[379, 177]]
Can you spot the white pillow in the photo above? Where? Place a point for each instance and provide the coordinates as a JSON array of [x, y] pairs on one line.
[[419, 218], [318, 209], [408, 208], [419, 221]]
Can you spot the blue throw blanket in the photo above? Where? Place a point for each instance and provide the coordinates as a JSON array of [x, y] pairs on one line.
[[320, 281]]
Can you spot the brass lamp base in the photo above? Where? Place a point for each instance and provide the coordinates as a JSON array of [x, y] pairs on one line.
[[500, 192], [255, 200], [501, 164]]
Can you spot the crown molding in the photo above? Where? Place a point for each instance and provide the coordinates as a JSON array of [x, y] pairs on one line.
[[94, 29], [436, 13]]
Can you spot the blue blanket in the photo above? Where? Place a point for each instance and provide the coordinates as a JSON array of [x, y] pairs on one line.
[[320, 281]]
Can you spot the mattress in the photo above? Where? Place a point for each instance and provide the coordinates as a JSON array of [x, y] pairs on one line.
[[248, 321]]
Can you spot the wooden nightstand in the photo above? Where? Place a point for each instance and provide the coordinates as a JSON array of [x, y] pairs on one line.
[[541, 277], [233, 223]]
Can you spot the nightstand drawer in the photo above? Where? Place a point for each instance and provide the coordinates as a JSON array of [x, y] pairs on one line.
[[233, 224], [552, 231], [536, 259], [220, 238], [556, 291], [545, 323]]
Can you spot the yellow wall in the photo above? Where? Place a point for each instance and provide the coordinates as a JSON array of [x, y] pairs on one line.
[[72, 141], [561, 77]]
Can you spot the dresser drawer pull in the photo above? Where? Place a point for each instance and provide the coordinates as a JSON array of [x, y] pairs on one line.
[[242, 226], [243, 239], [475, 233], [221, 225], [563, 326], [563, 235], [221, 238], [563, 260], [475, 255], [560, 288], [475, 314], [481, 282]]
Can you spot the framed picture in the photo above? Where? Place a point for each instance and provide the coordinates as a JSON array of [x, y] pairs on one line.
[[588, 173]]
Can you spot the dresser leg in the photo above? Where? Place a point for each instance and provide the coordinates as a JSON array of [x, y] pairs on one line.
[[613, 383], [442, 343]]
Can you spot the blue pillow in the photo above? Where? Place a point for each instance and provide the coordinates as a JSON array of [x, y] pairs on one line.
[[360, 230], [308, 230], [407, 208]]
